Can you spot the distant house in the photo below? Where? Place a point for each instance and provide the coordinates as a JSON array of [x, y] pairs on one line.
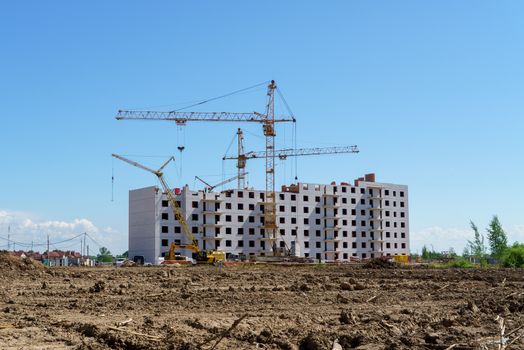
[[55, 259], [61, 258], [73, 258], [30, 254]]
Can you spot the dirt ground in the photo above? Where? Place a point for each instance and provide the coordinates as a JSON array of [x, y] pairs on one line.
[[258, 307]]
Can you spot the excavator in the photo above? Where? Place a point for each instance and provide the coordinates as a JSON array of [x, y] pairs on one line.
[[200, 256]]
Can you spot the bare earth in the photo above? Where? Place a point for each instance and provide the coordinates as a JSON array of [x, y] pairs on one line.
[[285, 307]]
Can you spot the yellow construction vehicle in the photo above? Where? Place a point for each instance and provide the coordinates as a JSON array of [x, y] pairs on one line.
[[208, 257], [401, 259], [200, 256]]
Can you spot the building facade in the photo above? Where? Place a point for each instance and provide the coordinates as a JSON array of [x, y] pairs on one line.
[[336, 222]]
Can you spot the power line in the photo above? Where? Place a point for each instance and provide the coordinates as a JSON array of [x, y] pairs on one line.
[[94, 241], [68, 246], [27, 245]]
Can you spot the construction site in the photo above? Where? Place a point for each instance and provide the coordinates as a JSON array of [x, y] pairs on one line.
[[258, 306], [277, 175], [308, 266], [302, 222]]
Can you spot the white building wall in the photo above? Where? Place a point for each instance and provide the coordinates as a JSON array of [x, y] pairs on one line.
[[327, 222], [144, 224]]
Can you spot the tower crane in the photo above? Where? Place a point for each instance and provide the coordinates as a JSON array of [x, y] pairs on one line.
[[267, 120], [210, 188], [282, 154], [199, 255]]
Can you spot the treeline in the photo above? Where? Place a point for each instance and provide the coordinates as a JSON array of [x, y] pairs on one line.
[[497, 246], [105, 256], [492, 248]]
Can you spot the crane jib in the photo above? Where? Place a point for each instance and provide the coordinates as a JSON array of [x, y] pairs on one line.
[[184, 117]]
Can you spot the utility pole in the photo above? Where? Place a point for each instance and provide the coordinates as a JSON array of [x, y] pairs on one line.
[[48, 246], [9, 237]]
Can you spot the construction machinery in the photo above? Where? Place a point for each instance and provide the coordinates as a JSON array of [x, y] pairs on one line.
[[282, 154], [267, 120], [210, 188], [200, 256]]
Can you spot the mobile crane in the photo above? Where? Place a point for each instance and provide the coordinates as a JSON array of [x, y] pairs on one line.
[[201, 256]]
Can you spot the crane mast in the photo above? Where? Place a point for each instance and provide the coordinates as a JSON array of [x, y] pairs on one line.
[[241, 162], [270, 206]]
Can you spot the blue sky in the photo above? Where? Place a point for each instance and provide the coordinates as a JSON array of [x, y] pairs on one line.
[[430, 91]]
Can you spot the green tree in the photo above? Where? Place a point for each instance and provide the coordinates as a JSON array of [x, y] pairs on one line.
[[514, 256], [432, 254], [123, 255], [425, 253], [498, 241], [476, 247], [104, 255]]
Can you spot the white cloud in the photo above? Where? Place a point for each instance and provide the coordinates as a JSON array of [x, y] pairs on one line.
[[443, 238], [25, 228], [440, 238]]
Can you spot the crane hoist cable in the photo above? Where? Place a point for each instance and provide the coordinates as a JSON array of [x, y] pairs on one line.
[[181, 145], [112, 179], [181, 138]]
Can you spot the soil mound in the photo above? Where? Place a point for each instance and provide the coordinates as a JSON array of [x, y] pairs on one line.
[[128, 263], [380, 264], [10, 262]]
